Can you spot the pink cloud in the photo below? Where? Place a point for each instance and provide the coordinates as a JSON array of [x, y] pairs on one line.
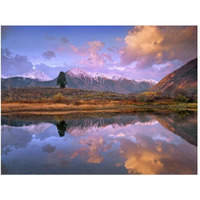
[[107, 56], [119, 39], [80, 51], [96, 45], [157, 44], [156, 71], [95, 59], [110, 49]]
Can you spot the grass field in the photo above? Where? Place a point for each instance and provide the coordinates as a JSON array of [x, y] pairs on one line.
[[63, 108], [48, 100]]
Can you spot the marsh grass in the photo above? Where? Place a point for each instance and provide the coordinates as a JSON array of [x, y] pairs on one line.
[[44, 99]]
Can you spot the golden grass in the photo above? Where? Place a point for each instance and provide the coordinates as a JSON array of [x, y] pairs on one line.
[[149, 93], [48, 107], [91, 105]]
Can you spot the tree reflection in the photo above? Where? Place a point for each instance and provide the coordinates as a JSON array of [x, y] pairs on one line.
[[61, 126]]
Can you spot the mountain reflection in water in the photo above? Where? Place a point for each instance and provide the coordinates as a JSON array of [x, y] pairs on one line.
[[140, 143]]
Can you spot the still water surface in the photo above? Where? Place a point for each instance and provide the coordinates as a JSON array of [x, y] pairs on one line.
[[139, 143]]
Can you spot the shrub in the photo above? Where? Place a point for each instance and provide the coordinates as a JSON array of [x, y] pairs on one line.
[[182, 98], [77, 103], [141, 98], [8, 99], [58, 98], [150, 99]]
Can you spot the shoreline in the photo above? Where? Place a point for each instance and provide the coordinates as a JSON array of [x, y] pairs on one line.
[[61, 108]]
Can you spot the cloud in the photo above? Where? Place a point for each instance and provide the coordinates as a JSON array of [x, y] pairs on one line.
[[48, 148], [64, 40], [117, 68], [93, 144], [4, 31], [119, 39], [6, 52], [90, 55], [14, 137], [96, 45], [75, 49], [14, 64], [107, 56], [156, 72], [158, 44], [94, 58], [48, 55], [150, 156], [110, 49], [52, 72], [82, 51]]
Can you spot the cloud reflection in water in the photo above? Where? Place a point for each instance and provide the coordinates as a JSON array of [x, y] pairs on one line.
[[122, 144]]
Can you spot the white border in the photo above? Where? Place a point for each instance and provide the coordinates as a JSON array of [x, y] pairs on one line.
[[104, 12]]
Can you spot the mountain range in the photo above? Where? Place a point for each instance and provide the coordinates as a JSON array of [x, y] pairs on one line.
[[182, 79], [81, 79]]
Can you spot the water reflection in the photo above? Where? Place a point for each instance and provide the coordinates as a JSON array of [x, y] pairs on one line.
[[140, 143]]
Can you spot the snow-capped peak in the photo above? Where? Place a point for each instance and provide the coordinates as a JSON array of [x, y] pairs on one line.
[[109, 76], [35, 74], [79, 72], [153, 82]]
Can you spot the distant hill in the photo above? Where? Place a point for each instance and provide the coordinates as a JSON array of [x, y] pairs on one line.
[[82, 79], [183, 80], [35, 74], [17, 82]]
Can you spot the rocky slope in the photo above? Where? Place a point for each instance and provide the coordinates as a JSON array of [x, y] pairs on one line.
[[183, 79]]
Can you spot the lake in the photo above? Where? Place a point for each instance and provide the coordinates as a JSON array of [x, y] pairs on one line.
[[100, 143]]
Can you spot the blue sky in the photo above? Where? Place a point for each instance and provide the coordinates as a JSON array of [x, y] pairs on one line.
[[148, 52]]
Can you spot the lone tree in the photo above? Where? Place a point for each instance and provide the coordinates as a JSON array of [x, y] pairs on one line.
[[61, 80]]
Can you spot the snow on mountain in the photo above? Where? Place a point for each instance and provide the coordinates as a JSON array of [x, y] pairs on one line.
[[109, 76], [79, 72], [35, 74], [153, 82]]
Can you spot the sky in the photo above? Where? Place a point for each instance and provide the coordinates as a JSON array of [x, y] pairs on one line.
[[136, 52]]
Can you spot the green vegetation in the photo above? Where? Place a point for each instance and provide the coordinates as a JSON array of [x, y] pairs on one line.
[[182, 98]]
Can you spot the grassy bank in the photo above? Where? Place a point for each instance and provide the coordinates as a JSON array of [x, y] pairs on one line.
[[48, 100], [91, 106]]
